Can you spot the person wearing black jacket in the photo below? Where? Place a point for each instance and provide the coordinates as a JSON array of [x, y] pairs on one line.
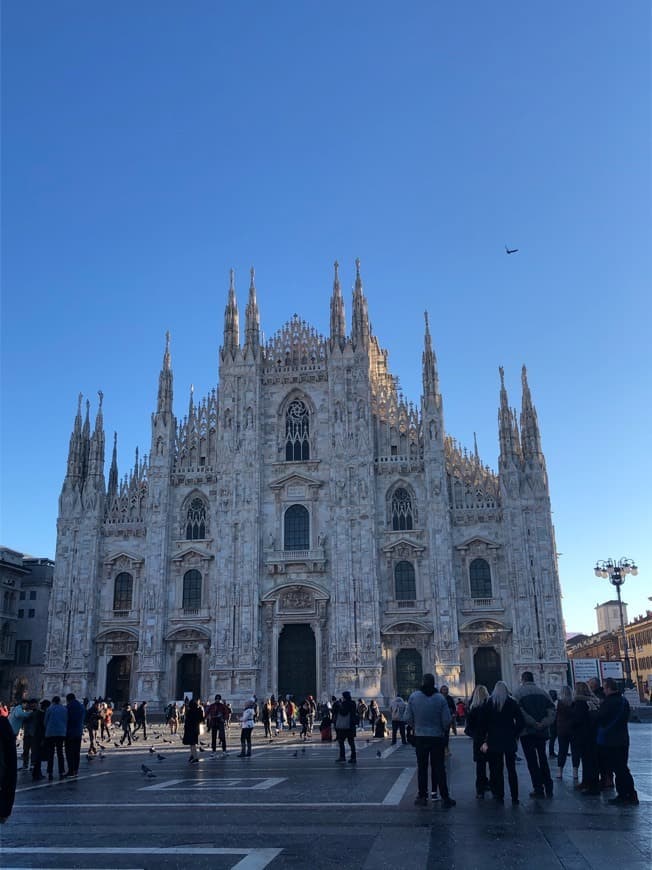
[[475, 728], [39, 747], [503, 722], [8, 769], [345, 717], [613, 739]]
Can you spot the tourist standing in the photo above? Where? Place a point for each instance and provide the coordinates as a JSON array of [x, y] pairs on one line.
[[74, 733], [503, 722], [539, 712], [246, 727], [345, 717], [127, 719], [585, 729], [141, 718], [429, 716], [216, 718], [613, 740], [476, 729], [565, 742], [397, 710], [56, 723], [191, 727]]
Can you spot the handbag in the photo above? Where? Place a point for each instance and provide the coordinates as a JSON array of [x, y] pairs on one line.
[[343, 722], [202, 729]]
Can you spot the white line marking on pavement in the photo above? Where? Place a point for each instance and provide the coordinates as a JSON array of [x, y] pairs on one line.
[[254, 859], [212, 784], [396, 792], [200, 804], [63, 781], [389, 751]]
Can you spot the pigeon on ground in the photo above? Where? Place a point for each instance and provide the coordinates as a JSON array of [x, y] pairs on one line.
[[152, 750], [145, 769], [166, 741], [303, 748], [295, 754], [368, 741], [117, 745], [160, 757], [379, 754], [101, 747]]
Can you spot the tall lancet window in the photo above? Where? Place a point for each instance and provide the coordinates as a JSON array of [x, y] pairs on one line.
[[123, 591], [402, 510], [297, 432], [480, 577], [196, 521]]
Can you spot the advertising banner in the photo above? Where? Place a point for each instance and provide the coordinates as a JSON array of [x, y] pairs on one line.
[[611, 669], [584, 669]]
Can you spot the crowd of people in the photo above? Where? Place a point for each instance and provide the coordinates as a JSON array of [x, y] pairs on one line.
[[589, 724]]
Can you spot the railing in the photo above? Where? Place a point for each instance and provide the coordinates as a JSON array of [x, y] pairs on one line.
[[191, 611], [277, 560], [412, 604], [482, 604], [121, 614]]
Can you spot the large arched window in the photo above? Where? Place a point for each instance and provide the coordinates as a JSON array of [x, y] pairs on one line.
[[480, 577], [297, 528], [123, 591], [401, 510], [297, 432], [191, 590], [196, 520], [405, 583]]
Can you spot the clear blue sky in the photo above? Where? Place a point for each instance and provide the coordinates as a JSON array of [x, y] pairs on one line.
[[150, 146]]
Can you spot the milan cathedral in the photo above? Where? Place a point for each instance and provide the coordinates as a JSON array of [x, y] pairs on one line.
[[304, 529]]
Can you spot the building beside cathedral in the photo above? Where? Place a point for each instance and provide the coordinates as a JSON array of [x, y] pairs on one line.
[[304, 529]]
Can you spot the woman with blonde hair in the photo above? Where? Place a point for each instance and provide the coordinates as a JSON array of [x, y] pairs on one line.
[[476, 730], [503, 724], [564, 724]]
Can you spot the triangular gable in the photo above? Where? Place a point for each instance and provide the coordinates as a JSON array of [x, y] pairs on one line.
[[295, 479], [137, 560], [403, 542], [477, 539], [191, 551]]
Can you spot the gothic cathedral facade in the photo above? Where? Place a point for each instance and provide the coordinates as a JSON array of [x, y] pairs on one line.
[[304, 530]]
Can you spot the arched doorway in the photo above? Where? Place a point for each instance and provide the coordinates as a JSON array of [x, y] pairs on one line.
[[486, 665], [297, 661], [188, 676], [118, 678], [409, 671]]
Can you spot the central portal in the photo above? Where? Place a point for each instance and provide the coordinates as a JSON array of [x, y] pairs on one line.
[[297, 660]]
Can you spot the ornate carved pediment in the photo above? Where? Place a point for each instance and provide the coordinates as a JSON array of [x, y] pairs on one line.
[[117, 643], [297, 598], [308, 484], [189, 553], [187, 635], [409, 628], [485, 631], [403, 548], [478, 543], [123, 561]]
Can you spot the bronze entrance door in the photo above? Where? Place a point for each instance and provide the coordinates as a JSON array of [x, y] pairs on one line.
[[297, 662], [486, 664], [118, 678], [188, 676], [409, 672]]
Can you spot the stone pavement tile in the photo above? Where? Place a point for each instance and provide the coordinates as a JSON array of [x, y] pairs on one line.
[[391, 849]]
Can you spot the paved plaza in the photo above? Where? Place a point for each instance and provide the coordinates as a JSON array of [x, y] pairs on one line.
[[290, 805]]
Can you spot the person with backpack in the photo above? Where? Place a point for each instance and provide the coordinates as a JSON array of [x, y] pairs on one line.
[[397, 711]]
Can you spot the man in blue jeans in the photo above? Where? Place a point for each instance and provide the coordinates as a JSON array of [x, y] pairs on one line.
[[429, 716], [539, 713]]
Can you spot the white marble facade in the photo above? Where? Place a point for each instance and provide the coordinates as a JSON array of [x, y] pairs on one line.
[[304, 528]]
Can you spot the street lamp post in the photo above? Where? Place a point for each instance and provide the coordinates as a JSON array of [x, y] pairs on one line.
[[616, 572]]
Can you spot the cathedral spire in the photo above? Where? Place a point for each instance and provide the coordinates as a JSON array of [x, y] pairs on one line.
[[338, 323], [96, 452], [113, 471], [85, 442], [231, 321], [191, 403], [75, 448], [509, 452], [164, 400], [360, 331], [429, 365], [530, 437], [252, 317]]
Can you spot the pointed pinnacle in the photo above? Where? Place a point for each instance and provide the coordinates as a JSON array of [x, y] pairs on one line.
[[502, 377], [252, 272], [101, 397], [232, 280]]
